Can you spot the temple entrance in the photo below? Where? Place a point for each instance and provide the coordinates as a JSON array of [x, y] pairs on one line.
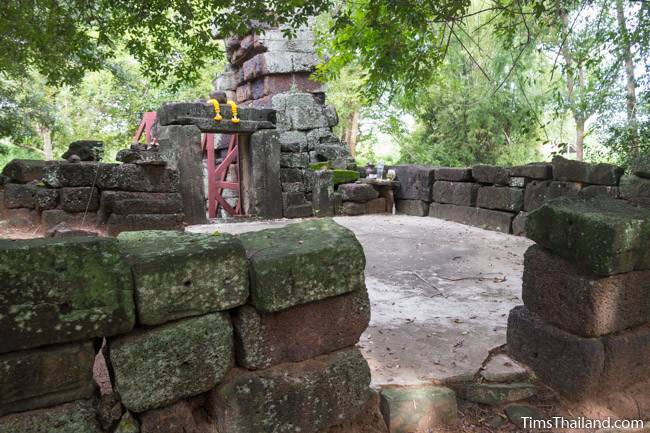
[[223, 176]]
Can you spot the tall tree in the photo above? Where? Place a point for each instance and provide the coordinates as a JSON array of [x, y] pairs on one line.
[[630, 87]]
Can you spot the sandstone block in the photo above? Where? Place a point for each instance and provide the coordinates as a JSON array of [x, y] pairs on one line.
[[292, 199], [344, 176], [134, 177], [25, 170], [43, 377], [502, 368], [86, 150], [185, 416], [136, 222], [570, 364], [78, 220], [601, 236], [535, 170], [454, 174], [539, 192], [580, 303], [80, 199], [450, 212], [358, 192], [369, 420], [596, 191], [299, 211], [75, 417], [275, 84], [126, 203], [301, 263], [63, 174], [161, 365], [491, 174], [19, 196], [494, 220], [501, 198], [179, 275], [458, 193], [20, 218], [322, 193], [329, 152], [421, 408], [299, 111], [519, 224], [293, 141], [264, 188], [412, 207], [308, 396], [294, 159], [378, 205], [578, 171], [416, 182], [60, 290], [351, 208], [301, 332]]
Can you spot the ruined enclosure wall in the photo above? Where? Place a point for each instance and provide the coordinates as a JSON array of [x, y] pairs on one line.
[[500, 198], [208, 333], [268, 70], [40, 195]]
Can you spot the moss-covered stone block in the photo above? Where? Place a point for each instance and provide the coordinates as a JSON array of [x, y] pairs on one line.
[[60, 290], [76, 417], [179, 274], [158, 366], [302, 263], [317, 166], [344, 176], [305, 397], [602, 236]]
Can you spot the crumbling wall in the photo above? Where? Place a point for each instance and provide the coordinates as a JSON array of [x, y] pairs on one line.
[[95, 196], [205, 333], [500, 198], [268, 70]]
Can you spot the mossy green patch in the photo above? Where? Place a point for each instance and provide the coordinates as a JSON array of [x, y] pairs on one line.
[[317, 166], [344, 176]]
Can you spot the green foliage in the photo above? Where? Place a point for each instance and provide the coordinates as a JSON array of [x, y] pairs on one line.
[[344, 176]]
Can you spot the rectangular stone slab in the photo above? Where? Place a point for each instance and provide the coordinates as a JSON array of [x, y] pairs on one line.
[[582, 303], [185, 113], [454, 174], [46, 376], [602, 236], [301, 332], [25, 170], [136, 222], [416, 182], [76, 417], [412, 207], [179, 275], [491, 174], [501, 198], [578, 171], [301, 263], [458, 193], [483, 218], [308, 396], [158, 366], [60, 290]]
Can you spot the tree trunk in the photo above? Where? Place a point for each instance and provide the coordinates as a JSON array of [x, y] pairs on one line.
[[46, 136], [353, 133], [630, 100], [580, 138]]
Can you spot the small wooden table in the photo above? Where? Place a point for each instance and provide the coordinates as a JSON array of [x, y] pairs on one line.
[[386, 189]]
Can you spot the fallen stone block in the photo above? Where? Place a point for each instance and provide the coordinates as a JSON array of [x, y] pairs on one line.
[[66, 174], [301, 332], [494, 220], [535, 170], [581, 303], [80, 199], [458, 193], [634, 187], [495, 394], [415, 182], [308, 396], [78, 220], [25, 170], [377, 205], [133, 177], [570, 364], [126, 203], [85, 150], [501, 198], [301, 263], [75, 417], [358, 192], [491, 174], [43, 377], [412, 207], [351, 208], [60, 290], [519, 224], [454, 174], [419, 408], [539, 192], [577, 171], [136, 222], [602, 236], [158, 366], [179, 274], [501, 368]]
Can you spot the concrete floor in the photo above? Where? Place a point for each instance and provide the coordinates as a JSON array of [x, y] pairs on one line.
[[440, 293]]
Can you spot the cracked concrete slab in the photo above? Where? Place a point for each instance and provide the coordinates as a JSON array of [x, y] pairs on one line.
[[440, 293]]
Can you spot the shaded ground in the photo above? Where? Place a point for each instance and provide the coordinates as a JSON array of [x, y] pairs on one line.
[[440, 293]]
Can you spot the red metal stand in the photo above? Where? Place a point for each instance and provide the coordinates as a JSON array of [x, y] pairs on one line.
[[145, 126], [217, 175]]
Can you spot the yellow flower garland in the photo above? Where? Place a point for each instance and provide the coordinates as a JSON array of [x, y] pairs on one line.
[[233, 107], [217, 109]]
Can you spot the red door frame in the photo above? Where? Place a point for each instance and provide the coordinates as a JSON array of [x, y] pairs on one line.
[[217, 175]]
